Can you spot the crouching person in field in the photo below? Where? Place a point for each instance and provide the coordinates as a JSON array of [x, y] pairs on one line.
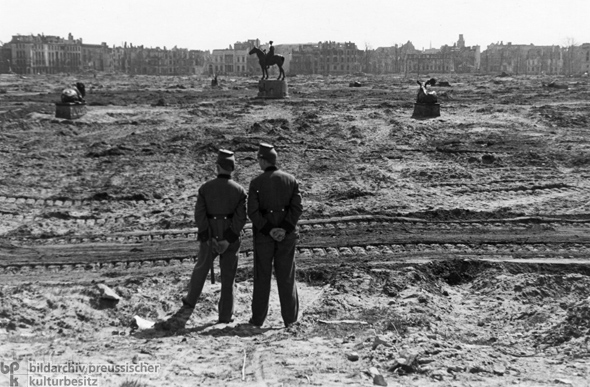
[[220, 215]]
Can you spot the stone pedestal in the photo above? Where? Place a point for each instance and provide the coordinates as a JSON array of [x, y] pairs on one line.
[[272, 89], [70, 110], [426, 110]]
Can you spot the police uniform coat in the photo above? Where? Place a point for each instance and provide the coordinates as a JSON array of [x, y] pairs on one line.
[[274, 201], [220, 213]]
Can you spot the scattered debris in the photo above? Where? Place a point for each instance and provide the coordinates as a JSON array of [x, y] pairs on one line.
[[343, 322], [141, 323], [378, 379], [555, 85], [488, 159], [108, 293], [406, 363]]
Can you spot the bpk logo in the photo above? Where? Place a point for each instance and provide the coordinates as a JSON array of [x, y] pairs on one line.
[[10, 369]]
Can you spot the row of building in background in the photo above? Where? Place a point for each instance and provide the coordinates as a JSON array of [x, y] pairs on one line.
[[40, 54]]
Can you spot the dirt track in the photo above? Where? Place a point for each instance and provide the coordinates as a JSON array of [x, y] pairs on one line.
[[459, 243]]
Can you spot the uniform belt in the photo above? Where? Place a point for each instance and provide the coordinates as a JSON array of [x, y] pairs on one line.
[[215, 216], [264, 212]]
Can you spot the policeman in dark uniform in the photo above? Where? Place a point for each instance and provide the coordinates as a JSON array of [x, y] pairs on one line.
[[274, 207], [220, 215]]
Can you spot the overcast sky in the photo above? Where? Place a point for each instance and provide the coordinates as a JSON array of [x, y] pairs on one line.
[[211, 24]]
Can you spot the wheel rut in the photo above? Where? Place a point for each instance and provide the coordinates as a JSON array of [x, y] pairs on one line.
[[333, 240]]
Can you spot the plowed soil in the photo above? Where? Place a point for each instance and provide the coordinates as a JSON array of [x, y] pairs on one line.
[[445, 251]]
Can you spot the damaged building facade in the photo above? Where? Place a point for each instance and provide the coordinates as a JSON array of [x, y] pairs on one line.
[[389, 60], [328, 58], [523, 59], [457, 58], [41, 54], [577, 59], [528, 59], [345, 58], [234, 60], [157, 61], [45, 54]]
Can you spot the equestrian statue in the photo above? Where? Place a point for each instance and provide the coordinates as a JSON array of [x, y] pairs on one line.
[[268, 60]]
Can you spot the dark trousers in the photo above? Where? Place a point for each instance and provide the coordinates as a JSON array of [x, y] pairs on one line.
[[228, 263], [266, 252]]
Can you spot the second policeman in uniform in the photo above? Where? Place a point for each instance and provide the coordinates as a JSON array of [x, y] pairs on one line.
[[220, 215], [274, 207]]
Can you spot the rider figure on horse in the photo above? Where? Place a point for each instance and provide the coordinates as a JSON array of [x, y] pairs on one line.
[[271, 53], [267, 60]]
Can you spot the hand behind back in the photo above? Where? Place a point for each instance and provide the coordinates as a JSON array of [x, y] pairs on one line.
[[278, 234]]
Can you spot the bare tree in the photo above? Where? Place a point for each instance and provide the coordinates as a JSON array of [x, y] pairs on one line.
[[570, 45], [368, 56]]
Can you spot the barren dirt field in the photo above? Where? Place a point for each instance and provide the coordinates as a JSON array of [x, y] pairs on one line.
[[452, 251]]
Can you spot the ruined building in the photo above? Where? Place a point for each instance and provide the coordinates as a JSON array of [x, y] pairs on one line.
[[577, 59], [404, 59], [389, 60], [157, 61], [45, 54], [96, 57], [40, 54], [326, 58], [234, 60], [522, 59], [448, 59]]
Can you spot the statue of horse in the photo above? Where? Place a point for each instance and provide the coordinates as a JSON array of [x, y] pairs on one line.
[[266, 62], [74, 94], [424, 95]]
